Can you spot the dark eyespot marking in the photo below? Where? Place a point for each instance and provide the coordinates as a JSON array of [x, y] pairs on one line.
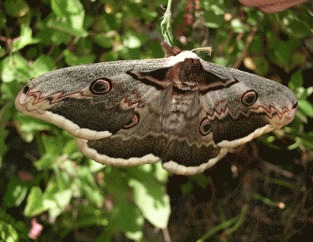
[[249, 97], [205, 127], [26, 89], [133, 122], [101, 86]]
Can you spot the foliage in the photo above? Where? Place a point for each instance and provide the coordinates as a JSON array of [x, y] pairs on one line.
[[10, 229], [43, 174]]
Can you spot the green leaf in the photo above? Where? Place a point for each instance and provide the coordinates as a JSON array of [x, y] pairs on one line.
[[6, 113], [152, 201], [157, 170], [128, 219], [214, 13], [296, 27], [42, 65], [150, 197], [88, 186], [238, 26], [104, 41], [53, 200], [132, 41], [54, 145], [63, 198], [9, 91], [16, 192], [89, 216], [94, 166], [15, 68], [16, 8], [104, 24], [51, 34], [56, 152], [24, 39], [3, 147], [64, 8], [125, 215], [307, 140], [28, 126], [256, 45], [296, 80], [35, 203], [306, 107], [282, 52], [56, 198], [74, 59], [11, 230], [71, 16]]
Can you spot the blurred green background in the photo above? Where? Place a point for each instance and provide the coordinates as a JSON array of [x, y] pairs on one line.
[[50, 192]]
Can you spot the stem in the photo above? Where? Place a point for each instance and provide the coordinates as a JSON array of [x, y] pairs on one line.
[[217, 229], [230, 225], [166, 29], [239, 222]]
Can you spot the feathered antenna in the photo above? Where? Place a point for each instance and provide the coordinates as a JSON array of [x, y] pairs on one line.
[[209, 50]]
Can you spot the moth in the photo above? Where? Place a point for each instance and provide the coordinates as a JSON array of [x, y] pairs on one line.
[[179, 109]]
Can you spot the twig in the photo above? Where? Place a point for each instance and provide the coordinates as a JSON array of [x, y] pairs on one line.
[[166, 235], [278, 170], [245, 49]]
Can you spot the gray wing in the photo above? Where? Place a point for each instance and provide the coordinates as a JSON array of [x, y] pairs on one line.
[[162, 130], [249, 107], [90, 101]]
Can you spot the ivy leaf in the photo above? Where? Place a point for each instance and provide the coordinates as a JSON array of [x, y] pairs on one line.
[[24, 39], [42, 65], [150, 197], [16, 8], [70, 18], [15, 192], [296, 80], [35, 203], [125, 215], [15, 68], [152, 201], [306, 107]]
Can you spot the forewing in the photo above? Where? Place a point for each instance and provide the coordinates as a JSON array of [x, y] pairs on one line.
[[90, 101]]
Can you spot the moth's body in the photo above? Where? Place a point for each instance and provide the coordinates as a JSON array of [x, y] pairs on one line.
[[180, 109]]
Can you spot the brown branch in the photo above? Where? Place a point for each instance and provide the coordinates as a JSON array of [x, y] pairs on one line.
[[246, 48]]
